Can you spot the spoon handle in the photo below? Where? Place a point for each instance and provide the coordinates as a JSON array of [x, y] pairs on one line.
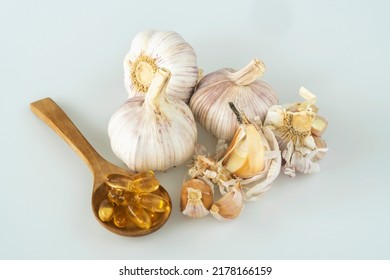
[[47, 110]]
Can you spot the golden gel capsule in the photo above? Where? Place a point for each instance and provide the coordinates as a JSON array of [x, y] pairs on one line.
[[140, 182], [152, 202], [149, 184], [119, 181], [143, 174], [106, 210], [153, 215], [138, 215], [121, 218], [117, 196]]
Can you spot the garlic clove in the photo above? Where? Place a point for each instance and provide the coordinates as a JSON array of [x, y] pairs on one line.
[[318, 126], [255, 152], [228, 206], [245, 155], [237, 153], [196, 198]]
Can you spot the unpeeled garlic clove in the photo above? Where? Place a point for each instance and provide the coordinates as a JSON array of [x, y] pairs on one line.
[[196, 198], [228, 206]]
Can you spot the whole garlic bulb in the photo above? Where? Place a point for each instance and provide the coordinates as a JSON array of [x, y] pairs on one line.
[[150, 50], [154, 132], [210, 102]]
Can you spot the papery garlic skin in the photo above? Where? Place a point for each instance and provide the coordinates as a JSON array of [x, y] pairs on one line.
[[155, 132], [210, 101], [152, 49], [298, 129]]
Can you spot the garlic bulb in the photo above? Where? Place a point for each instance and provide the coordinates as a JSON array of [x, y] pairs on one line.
[[150, 50], [210, 102], [298, 129], [154, 132]]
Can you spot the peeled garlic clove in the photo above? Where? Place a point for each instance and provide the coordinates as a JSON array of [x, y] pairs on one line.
[[152, 49], [196, 198], [209, 102], [318, 126], [228, 206], [153, 133], [245, 155]]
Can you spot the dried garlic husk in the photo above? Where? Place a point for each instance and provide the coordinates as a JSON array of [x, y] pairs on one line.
[[230, 205], [196, 198], [210, 100], [152, 49], [298, 129], [155, 132]]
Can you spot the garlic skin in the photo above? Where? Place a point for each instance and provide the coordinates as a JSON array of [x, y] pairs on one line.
[[155, 132], [298, 129], [210, 101], [152, 49]]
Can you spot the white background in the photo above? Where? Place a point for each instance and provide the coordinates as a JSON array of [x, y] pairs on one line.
[[72, 51]]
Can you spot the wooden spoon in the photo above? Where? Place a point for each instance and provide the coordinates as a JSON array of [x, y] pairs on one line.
[[55, 117]]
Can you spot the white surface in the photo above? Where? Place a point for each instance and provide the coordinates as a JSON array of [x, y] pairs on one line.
[[72, 51]]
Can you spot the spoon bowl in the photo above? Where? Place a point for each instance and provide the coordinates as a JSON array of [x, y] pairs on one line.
[[47, 110]]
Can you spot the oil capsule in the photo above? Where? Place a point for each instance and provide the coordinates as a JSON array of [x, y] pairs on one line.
[[148, 184], [138, 215], [119, 181], [117, 196], [152, 202], [153, 215], [121, 218], [143, 174], [140, 182], [106, 210]]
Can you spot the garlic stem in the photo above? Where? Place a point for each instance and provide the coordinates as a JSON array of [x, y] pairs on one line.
[[248, 74], [241, 118], [158, 86]]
